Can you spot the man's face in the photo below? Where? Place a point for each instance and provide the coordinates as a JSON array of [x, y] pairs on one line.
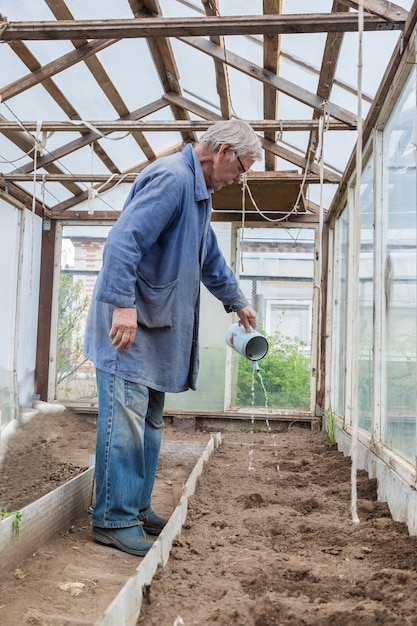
[[227, 168]]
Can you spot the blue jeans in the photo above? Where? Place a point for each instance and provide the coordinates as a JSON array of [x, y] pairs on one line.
[[129, 437]]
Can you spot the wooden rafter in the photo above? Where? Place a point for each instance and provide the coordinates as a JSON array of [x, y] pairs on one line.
[[50, 69], [326, 76], [61, 12], [22, 196], [378, 102], [299, 161], [31, 62], [87, 139], [222, 82], [42, 75], [163, 57], [281, 84], [204, 33], [383, 8], [309, 67], [276, 149], [277, 177], [123, 125], [23, 141], [26, 143], [271, 64], [151, 27], [59, 211]]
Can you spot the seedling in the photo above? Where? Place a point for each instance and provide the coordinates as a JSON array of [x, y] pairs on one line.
[[331, 425], [16, 522]]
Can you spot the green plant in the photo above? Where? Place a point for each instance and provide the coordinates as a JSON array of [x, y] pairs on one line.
[[285, 373], [331, 425], [16, 522]]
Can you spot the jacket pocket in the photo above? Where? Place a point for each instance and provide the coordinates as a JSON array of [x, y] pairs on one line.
[[155, 304]]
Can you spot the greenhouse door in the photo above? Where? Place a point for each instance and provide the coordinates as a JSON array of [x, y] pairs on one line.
[[276, 271]]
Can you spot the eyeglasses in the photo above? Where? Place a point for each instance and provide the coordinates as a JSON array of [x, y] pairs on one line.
[[242, 167]]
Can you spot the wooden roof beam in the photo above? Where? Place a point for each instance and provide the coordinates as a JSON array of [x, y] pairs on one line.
[[278, 150], [23, 197], [37, 76], [384, 89], [387, 10], [59, 211], [26, 143], [163, 57], [281, 177], [31, 62], [151, 27], [326, 77], [61, 12], [54, 67], [87, 139], [314, 70], [279, 83], [299, 161], [116, 126], [272, 44], [222, 80]]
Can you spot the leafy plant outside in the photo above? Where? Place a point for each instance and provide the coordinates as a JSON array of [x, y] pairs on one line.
[[285, 372]]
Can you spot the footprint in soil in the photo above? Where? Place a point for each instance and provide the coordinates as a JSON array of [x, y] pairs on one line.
[[307, 506], [252, 501]]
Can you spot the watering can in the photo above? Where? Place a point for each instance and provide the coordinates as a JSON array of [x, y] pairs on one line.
[[250, 344]]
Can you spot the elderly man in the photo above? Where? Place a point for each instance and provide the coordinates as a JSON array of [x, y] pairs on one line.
[[142, 329]]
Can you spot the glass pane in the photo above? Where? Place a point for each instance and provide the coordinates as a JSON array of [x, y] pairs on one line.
[[276, 274], [399, 425], [209, 395], [366, 297], [339, 312], [81, 257]]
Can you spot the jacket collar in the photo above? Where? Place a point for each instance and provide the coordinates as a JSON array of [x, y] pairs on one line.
[[201, 191]]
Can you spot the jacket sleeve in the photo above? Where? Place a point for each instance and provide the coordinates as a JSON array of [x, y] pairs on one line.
[[219, 278]]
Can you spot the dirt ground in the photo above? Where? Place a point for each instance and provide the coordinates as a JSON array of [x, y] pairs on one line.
[[268, 539]]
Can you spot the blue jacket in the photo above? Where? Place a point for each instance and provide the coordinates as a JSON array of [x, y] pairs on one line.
[[155, 256]]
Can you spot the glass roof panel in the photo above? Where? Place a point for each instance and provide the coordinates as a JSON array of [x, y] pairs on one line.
[[103, 10], [136, 81], [131, 68]]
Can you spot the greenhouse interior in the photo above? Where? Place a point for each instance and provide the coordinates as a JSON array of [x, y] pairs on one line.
[[321, 232]]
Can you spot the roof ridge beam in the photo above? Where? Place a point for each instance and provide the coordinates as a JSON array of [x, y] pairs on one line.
[[126, 125], [150, 27]]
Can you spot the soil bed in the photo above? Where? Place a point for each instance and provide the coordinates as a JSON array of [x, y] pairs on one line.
[[268, 541], [45, 453], [275, 545]]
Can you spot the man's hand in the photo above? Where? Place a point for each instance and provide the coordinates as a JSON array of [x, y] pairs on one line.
[[247, 317], [124, 327]]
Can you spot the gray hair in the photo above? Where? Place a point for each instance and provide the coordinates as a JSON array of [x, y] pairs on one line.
[[237, 132]]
